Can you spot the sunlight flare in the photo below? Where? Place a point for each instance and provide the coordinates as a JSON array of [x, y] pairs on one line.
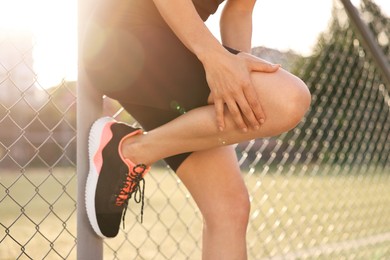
[[53, 26]]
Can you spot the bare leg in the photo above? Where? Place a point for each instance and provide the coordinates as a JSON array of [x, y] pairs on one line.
[[284, 98], [211, 172], [214, 181]]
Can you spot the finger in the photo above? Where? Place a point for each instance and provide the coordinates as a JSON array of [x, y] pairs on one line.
[[257, 64], [236, 115], [261, 66], [248, 112], [255, 104], [219, 107], [257, 110]]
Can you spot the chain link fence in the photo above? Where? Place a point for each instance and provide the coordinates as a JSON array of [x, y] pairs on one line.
[[321, 191]]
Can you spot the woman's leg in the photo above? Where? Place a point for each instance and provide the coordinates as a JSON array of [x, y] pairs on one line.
[[214, 181], [284, 99], [211, 172]]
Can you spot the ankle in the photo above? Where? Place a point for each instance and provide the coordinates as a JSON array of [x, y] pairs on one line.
[[132, 149]]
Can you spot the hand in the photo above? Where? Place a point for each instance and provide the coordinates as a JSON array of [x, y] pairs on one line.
[[229, 79]]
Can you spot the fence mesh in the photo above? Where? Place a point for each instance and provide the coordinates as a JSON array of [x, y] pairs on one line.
[[319, 191]]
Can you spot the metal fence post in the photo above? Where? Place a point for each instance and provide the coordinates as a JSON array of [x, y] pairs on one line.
[[89, 107]]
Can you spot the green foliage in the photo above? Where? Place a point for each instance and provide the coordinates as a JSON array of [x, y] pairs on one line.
[[349, 116]]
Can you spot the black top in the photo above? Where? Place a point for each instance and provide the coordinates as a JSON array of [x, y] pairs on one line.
[[141, 11], [206, 7]]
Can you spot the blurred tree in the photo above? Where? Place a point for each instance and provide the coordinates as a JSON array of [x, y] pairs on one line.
[[347, 99]]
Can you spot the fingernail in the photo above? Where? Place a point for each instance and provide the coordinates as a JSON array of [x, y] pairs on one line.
[[262, 121], [257, 127], [220, 128], [245, 129]]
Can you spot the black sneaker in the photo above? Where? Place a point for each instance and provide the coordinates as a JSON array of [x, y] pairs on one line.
[[112, 179]]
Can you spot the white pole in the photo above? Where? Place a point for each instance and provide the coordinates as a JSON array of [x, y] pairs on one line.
[[89, 108]]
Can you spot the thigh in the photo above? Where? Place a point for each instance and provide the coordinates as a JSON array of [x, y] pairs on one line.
[[214, 180]]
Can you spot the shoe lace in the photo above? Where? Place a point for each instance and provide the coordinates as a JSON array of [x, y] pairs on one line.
[[132, 185]]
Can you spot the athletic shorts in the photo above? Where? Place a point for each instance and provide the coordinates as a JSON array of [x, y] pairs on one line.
[[131, 55]]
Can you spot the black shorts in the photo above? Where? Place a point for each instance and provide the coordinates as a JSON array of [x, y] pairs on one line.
[[131, 55]]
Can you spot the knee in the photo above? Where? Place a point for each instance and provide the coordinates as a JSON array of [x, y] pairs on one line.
[[297, 103], [286, 99], [229, 214]]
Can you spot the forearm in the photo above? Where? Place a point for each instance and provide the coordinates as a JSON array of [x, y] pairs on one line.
[[236, 25], [182, 18]]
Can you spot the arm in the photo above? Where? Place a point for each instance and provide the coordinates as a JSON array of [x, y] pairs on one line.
[[228, 75], [236, 24]]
